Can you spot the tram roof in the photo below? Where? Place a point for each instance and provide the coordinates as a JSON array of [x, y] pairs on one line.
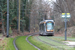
[[47, 21]]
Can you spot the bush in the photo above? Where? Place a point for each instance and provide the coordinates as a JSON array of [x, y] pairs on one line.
[[10, 31], [73, 35]]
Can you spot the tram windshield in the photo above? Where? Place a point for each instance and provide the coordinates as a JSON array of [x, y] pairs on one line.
[[50, 26]]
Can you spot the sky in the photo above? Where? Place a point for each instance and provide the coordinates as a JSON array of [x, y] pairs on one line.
[[49, 0]]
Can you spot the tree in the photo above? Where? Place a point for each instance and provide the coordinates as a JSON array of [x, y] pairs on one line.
[[40, 10], [63, 6]]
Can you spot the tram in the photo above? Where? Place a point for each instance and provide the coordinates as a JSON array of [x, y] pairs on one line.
[[46, 27]]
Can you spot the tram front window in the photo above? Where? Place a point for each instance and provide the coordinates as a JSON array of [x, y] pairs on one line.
[[50, 26]]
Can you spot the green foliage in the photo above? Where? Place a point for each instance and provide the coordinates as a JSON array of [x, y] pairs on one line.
[[23, 25], [73, 35], [25, 13], [10, 31], [13, 12], [27, 23], [23, 22]]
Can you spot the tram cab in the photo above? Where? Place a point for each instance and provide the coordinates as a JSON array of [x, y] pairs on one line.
[[46, 27]]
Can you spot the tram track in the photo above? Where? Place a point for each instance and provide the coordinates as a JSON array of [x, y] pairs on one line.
[[59, 42], [50, 44], [15, 44], [41, 39], [55, 40], [27, 41], [31, 43]]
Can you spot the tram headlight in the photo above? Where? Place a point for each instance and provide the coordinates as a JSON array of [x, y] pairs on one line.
[[50, 30]]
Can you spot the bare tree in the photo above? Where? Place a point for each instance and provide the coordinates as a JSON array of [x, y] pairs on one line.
[[63, 6], [40, 11]]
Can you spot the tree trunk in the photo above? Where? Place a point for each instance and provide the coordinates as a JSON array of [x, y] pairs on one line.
[[3, 30]]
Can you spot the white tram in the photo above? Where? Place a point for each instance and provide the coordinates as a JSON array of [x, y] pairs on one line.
[[46, 27]]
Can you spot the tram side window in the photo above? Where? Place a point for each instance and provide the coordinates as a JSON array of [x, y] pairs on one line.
[[42, 27]]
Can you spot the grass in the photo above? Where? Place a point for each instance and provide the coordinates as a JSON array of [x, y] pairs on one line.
[[40, 45], [22, 44], [63, 38], [54, 43], [6, 43], [10, 45]]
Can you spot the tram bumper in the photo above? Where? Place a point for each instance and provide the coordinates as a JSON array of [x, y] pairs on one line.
[[49, 33]]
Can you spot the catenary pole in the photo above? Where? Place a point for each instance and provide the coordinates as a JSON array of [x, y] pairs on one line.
[[17, 12], [65, 20], [7, 18], [65, 26]]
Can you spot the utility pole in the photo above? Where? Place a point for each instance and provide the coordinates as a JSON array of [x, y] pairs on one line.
[[65, 26], [7, 18], [17, 13], [65, 21], [19, 17], [66, 16]]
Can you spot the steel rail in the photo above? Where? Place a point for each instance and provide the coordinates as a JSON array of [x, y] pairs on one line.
[[50, 44], [55, 40], [15, 44], [27, 41], [59, 42], [31, 43]]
